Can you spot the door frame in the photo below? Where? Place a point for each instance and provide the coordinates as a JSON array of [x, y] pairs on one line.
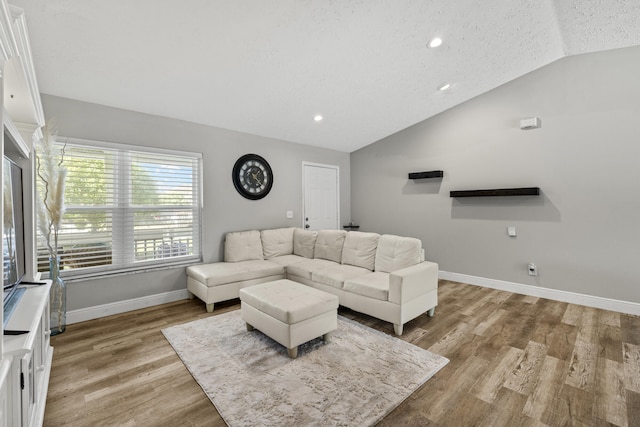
[[322, 165]]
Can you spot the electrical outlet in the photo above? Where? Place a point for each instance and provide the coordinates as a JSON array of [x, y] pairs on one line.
[[533, 269], [289, 214]]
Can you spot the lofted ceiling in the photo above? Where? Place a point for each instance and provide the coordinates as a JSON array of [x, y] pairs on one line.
[[268, 67]]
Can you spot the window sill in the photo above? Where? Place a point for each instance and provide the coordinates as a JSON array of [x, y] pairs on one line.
[[126, 272]]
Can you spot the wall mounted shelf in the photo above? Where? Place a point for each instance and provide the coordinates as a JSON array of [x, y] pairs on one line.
[[423, 175], [499, 192]]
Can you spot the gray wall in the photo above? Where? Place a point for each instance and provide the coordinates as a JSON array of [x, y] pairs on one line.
[[224, 209], [583, 231]]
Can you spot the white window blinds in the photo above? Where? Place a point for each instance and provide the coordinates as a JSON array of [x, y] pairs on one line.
[[127, 208]]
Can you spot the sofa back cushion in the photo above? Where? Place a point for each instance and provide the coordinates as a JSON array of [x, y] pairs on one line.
[[304, 242], [242, 246], [277, 242], [329, 245], [360, 249], [395, 252]]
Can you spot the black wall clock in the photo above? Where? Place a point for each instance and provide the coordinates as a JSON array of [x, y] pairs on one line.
[[252, 176]]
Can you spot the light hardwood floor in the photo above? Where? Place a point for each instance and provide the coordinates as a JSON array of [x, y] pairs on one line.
[[515, 360]]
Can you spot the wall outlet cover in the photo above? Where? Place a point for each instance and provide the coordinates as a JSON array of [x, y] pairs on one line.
[[530, 123]]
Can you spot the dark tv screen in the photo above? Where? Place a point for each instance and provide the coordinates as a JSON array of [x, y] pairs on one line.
[[13, 255]]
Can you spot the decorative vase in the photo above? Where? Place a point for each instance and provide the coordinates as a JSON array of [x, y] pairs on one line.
[[57, 298]]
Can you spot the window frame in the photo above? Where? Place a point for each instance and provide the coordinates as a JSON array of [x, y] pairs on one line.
[[123, 215]]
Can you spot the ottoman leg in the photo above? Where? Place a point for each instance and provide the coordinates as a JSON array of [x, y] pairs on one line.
[[327, 337], [210, 308], [250, 328], [293, 352]]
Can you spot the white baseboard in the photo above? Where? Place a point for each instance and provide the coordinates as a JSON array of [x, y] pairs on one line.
[[83, 314], [553, 294]]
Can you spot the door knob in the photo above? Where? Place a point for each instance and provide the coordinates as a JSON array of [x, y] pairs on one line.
[[307, 226]]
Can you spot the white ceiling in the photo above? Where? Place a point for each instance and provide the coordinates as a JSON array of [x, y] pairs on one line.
[[267, 67]]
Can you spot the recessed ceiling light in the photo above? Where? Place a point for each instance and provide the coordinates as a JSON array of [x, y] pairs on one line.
[[317, 118], [444, 86], [435, 42]]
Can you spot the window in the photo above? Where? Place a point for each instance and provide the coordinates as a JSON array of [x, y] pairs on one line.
[[127, 208]]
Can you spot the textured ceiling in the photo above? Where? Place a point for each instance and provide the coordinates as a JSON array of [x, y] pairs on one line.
[[267, 67]]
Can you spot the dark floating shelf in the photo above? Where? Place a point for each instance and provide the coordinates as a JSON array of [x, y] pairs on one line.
[[423, 175], [528, 191]]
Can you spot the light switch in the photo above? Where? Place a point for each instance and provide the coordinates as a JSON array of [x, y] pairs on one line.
[[289, 214], [511, 231]]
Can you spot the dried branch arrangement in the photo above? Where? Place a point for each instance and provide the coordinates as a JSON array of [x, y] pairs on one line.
[[52, 173]]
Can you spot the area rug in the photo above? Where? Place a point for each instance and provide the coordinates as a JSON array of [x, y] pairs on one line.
[[354, 380]]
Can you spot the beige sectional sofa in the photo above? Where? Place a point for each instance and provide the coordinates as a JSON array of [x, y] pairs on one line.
[[384, 276]]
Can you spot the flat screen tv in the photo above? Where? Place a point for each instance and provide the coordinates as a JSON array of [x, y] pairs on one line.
[[13, 255]]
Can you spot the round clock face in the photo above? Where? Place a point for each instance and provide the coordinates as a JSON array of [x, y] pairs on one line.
[[252, 176]]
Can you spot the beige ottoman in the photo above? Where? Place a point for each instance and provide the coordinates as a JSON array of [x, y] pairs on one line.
[[289, 312]]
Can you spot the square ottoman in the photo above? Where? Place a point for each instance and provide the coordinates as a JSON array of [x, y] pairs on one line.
[[289, 312]]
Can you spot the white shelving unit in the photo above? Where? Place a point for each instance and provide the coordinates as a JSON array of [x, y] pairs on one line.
[[29, 356], [25, 360], [5, 365]]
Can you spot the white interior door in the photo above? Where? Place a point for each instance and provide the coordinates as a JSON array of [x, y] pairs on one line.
[[321, 198]]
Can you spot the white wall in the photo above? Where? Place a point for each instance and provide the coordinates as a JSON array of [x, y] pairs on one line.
[[583, 231], [224, 209]]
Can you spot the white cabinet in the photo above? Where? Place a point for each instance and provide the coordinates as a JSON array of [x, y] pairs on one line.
[[25, 360], [4, 392], [29, 356]]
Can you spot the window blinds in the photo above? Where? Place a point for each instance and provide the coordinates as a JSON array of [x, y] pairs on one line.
[[127, 208]]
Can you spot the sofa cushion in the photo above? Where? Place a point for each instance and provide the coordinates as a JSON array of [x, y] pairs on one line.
[[373, 285], [277, 242], [395, 252], [304, 242], [287, 301], [336, 274], [221, 273], [242, 246], [329, 245], [305, 268], [360, 249], [286, 260]]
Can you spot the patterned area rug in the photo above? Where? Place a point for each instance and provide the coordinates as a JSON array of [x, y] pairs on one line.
[[355, 380]]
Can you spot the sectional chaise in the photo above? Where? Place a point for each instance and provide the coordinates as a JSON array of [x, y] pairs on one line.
[[384, 276]]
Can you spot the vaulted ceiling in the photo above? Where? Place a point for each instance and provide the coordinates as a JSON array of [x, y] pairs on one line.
[[269, 67]]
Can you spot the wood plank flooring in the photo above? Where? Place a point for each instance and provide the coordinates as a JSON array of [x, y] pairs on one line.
[[515, 360]]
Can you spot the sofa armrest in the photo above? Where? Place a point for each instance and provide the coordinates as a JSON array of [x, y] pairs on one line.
[[410, 282]]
